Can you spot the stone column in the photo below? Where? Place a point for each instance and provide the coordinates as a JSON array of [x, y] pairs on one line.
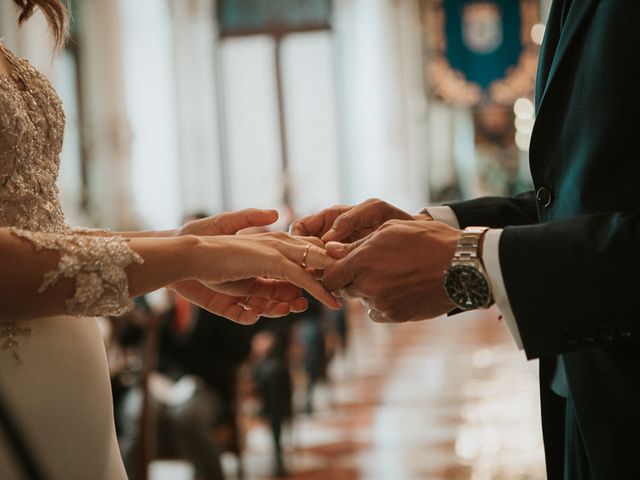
[[194, 44], [381, 102], [106, 123], [414, 107], [545, 6]]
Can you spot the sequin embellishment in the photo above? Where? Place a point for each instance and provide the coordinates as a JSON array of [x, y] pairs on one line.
[[8, 334], [31, 134], [96, 263]]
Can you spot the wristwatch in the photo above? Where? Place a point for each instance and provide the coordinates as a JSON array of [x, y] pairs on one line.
[[466, 281]]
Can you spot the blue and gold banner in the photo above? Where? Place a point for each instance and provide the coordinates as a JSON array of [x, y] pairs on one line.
[[255, 16], [481, 50]]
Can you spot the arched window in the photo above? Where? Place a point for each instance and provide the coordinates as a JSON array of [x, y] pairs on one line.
[[278, 96]]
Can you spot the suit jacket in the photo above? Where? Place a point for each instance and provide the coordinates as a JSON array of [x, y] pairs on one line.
[[570, 252]]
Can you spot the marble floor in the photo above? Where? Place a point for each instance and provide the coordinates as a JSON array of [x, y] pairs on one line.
[[447, 399]]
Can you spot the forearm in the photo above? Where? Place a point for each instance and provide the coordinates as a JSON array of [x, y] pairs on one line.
[[497, 212], [127, 234], [23, 268], [166, 261]]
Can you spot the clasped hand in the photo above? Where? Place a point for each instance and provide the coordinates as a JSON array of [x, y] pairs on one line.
[[256, 275], [391, 260]]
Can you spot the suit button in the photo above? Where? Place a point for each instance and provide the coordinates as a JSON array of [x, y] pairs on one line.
[[544, 197]]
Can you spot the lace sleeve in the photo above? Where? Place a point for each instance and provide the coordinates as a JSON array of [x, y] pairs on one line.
[[100, 232], [97, 263]]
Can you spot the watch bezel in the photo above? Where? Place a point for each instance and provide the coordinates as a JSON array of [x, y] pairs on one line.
[[475, 268]]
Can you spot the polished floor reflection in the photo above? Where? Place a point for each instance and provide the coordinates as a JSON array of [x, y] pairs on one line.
[[446, 399]]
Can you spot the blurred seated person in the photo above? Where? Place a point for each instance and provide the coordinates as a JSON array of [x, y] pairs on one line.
[[122, 336], [193, 388], [312, 336], [272, 378], [340, 326]]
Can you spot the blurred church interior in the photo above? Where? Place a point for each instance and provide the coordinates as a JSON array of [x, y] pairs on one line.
[[176, 107]]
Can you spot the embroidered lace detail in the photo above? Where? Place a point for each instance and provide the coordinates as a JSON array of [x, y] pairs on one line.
[[8, 335], [31, 134], [96, 263]]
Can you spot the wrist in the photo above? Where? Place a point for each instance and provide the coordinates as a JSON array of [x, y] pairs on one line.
[[211, 259], [424, 215], [192, 250], [166, 261]]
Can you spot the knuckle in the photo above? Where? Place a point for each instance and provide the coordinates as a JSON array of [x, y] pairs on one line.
[[378, 205], [280, 236], [217, 221], [340, 219], [299, 228]]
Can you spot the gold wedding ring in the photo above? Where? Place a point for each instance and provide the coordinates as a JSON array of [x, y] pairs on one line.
[[304, 256]]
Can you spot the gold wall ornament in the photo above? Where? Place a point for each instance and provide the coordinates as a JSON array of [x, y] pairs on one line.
[[482, 33]]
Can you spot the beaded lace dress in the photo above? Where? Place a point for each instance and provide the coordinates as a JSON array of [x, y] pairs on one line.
[[53, 371]]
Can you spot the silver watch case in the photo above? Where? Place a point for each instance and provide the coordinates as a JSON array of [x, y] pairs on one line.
[[466, 281]]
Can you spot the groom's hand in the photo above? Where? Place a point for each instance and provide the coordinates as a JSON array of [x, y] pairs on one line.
[[398, 270], [343, 223]]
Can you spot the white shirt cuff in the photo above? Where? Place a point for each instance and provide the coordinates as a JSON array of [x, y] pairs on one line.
[[444, 215], [491, 261]]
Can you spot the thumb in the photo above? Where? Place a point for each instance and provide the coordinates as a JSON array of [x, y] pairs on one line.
[[343, 226], [232, 222], [341, 250]]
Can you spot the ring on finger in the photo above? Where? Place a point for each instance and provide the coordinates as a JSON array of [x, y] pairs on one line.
[[303, 264]]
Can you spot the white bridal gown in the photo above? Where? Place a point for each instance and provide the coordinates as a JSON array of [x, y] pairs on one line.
[[53, 371]]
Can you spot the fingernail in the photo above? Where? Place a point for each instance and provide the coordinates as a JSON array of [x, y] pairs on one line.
[[329, 233]]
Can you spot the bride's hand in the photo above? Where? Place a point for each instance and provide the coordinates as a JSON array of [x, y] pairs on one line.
[[245, 309], [228, 223], [246, 300], [225, 263], [268, 287]]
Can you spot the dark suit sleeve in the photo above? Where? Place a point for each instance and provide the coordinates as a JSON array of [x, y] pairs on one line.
[[571, 284], [574, 284], [497, 212]]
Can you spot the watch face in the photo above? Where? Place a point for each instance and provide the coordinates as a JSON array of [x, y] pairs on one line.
[[467, 287]]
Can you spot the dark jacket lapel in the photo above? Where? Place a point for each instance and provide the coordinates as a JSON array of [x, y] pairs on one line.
[[549, 47], [577, 20]]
